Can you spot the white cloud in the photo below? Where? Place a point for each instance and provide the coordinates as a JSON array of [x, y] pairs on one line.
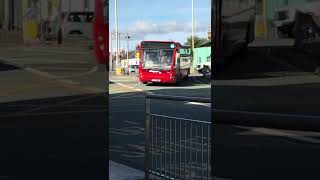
[[141, 28]]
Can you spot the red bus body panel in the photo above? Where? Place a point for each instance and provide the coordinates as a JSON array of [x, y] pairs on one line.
[[163, 76], [100, 34]]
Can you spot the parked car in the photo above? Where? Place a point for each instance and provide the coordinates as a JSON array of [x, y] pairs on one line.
[[204, 67], [78, 23], [238, 20], [73, 23], [133, 69], [285, 17]]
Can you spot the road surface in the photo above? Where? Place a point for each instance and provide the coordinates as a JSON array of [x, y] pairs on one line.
[[53, 114], [281, 81], [126, 107]]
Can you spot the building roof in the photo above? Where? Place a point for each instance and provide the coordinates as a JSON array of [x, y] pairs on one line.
[[207, 43]]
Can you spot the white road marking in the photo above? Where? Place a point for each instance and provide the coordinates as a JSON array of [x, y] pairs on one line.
[[274, 132], [122, 80], [199, 104], [92, 70], [130, 87], [51, 61], [123, 95], [64, 81], [63, 68], [59, 52], [128, 97], [44, 74], [69, 82]]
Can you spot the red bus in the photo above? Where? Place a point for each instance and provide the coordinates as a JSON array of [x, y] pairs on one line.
[[101, 32], [163, 61]]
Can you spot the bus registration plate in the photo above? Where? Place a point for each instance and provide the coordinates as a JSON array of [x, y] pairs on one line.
[[155, 80]]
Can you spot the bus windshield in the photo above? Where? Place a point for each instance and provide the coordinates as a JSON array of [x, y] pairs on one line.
[[160, 59]]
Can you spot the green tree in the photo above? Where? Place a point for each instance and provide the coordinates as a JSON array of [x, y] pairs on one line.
[[197, 41]]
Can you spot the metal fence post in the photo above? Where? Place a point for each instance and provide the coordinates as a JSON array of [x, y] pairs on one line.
[[180, 147], [147, 137]]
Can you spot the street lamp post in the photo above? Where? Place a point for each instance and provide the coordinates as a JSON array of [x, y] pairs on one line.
[[265, 19], [117, 36], [192, 37], [110, 60], [59, 39], [127, 38]]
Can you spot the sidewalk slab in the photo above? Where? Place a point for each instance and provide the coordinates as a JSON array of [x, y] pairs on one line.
[[121, 172], [201, 78]]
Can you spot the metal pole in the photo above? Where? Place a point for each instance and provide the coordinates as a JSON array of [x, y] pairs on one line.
[[127, 37], [192, 61], [60, 23], [117, 33], [147, 138], [265, 19], [119, 48], [111, 50], [119, 45], [41, 22], [86, 5], [70, 4]]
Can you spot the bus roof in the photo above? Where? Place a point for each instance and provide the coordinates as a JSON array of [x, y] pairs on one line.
[[177, 44], [168, 41]]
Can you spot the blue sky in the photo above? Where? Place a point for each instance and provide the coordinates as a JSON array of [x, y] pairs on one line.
[[159, 19]]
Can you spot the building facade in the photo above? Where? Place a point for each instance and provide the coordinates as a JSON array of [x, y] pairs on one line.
[[10, 14], [25, 16]]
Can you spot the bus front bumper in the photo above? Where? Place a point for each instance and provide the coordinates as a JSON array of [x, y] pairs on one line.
[[158, 79]]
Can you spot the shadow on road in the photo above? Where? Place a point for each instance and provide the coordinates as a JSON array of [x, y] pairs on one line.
[[191, 81], [7, 67], [269, 99], [243, 154], [238, 152], [126, 120], [266, 63], [54, 137], [278, 81]]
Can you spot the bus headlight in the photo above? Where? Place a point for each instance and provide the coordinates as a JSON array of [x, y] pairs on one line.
[[100, 38], [101, 47]]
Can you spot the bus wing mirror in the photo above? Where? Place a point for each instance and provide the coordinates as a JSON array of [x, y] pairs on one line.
[[177, 63]]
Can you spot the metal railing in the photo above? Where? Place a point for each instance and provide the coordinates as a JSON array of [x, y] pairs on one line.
[[175, 147]]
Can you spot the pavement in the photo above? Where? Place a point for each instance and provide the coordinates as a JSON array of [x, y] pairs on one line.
[[255, 86], [54, 106], [53, 112], [126, 126], [121, 172], [52, 82]]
